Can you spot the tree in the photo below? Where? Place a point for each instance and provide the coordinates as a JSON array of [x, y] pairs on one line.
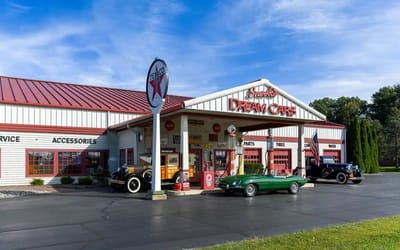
[[374, 148], [325, 106], [383, 103], [392, 135], [341, 110], [355, 152]]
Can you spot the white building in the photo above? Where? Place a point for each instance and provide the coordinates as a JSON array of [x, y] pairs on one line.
[[49, 129]]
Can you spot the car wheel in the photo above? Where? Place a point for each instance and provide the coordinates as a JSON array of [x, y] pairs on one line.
[[341, 178], [294, 188], [250, 190], [356, 181], [133, 184], [147, 175]]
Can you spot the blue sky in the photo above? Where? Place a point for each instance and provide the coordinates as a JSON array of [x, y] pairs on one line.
[[311, 49]]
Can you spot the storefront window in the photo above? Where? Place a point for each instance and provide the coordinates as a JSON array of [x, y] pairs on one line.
[[41, 163], [63, 163], [69, 163]]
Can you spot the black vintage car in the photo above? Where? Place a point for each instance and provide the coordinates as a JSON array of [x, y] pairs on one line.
[[130, 179], [329, 169]]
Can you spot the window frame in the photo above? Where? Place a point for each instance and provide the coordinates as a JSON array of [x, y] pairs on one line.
[[84, 153]]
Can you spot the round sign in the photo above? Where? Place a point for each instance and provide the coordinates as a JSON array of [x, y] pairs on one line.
[[169, 125], [157, 83], [216, 128]]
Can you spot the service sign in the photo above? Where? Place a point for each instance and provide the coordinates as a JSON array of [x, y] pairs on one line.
[[157, 83]]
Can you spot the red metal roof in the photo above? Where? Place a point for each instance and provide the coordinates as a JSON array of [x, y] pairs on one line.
[[75, 96]]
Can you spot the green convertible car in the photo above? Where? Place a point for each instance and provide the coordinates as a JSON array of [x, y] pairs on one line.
[[250, 184]]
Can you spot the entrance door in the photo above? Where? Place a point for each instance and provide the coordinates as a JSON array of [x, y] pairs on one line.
[[221, 162], [195, 164], [96, 161]]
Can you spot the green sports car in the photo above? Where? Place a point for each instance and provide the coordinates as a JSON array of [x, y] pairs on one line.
[[250, 184]]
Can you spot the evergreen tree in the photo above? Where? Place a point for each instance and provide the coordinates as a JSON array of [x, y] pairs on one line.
[[365, 146], [354, 137], [375, 149]]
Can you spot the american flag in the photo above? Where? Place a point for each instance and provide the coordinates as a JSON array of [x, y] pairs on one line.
[[315, 148]]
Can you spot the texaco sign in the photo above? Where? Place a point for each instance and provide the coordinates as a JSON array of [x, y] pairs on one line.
[[157, 83]]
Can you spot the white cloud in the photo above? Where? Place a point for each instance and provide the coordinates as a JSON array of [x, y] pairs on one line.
[[314, 44]]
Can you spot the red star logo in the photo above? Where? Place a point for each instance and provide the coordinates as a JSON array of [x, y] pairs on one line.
[[155, 83]]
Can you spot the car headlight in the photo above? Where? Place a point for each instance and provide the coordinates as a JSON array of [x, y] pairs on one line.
[[236, 183]]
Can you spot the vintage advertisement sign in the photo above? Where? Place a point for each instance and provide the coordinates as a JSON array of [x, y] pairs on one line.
[[157, 83]]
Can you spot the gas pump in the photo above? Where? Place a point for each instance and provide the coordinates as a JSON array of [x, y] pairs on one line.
[[270, 151], [207, 180], [232, 144], [240, 154]]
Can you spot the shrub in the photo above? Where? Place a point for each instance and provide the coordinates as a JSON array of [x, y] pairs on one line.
[[37, 182], [67, 180], [253, 168], [85, 180]]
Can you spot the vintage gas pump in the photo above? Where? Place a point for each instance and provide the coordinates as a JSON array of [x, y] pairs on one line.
[[270, 150], [207, 180], [240, 154], [232, 144]]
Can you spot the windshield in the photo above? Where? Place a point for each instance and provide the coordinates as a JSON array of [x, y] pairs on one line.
[[329, 160]]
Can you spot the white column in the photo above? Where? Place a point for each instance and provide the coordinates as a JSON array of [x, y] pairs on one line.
[[185, 153], [156, 154], [301, 161]]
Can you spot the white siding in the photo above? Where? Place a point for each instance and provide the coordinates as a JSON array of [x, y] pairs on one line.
[[292, 131], [30, 115], [219, 102], [13, 154]]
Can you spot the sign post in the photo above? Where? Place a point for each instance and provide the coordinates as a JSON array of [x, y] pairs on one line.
[[156, 90]]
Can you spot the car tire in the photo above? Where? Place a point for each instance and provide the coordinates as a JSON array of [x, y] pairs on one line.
[[250, 190], [147, 175], [356, 181], [133, 184], [294, 188], [341, 178]]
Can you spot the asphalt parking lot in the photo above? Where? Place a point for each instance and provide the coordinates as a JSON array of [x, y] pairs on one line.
[[103, 219]]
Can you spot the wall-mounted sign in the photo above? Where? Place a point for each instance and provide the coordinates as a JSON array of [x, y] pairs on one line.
[[9, 138], [216, 128], [169, 125], [249, 143], [248, 107], [270, 92], [69, 140]]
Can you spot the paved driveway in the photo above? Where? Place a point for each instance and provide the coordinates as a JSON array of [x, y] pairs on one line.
[[101, 219]]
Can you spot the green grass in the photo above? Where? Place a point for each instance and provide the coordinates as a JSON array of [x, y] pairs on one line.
[[389, 169], [383, 233]]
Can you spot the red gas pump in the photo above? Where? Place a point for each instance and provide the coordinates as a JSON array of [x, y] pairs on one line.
[[207, 178]]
